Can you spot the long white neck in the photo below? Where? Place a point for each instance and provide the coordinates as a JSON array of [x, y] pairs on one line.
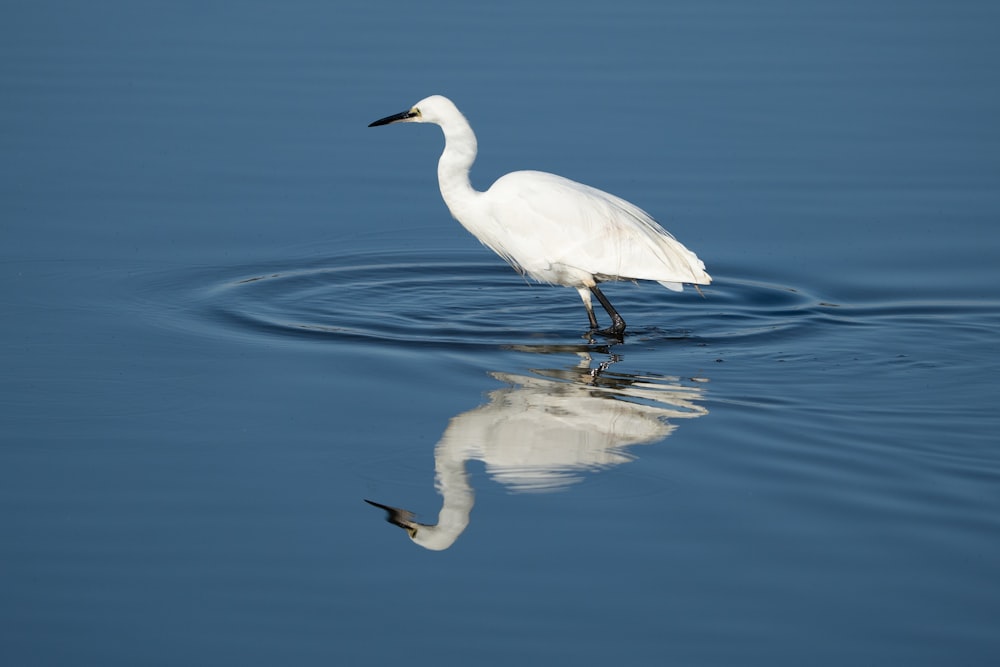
[[455, 163], [453, 485]]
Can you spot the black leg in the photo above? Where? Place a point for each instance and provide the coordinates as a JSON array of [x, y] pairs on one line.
[[617, 327], [590, 314], [585, 297]]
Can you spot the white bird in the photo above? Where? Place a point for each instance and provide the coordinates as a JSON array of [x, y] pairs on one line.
[[550, 228], [542, 432]]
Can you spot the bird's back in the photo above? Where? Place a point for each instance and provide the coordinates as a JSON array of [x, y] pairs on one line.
[[560, 231]]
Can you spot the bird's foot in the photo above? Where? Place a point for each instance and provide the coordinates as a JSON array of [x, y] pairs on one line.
[[617, 336], [615, 331]]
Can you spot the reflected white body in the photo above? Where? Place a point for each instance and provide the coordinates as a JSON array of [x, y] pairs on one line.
[[539, 434], [548, 227]]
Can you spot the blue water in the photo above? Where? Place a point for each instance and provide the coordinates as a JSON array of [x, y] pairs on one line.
[[232, 313]]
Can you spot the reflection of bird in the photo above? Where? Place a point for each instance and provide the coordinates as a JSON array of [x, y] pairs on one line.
[[553, 229], [540, 434], [399, 517]]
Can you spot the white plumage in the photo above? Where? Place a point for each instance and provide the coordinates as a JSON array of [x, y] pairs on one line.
[[553, 229]]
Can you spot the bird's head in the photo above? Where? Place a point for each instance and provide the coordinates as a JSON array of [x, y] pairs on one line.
[[433, 109], [428, 536], [400, 517]]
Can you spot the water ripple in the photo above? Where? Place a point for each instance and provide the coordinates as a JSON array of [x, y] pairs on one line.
[[413, 298]]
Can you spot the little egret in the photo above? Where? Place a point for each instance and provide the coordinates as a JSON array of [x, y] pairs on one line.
[[550, 228]]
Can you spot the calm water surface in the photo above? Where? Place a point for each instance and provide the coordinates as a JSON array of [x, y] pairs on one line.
[[232, 313]]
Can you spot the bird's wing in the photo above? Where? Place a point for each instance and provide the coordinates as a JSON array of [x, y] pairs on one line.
[[544, 220]]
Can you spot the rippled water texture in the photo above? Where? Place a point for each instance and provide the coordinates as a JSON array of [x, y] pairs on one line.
[[415, 299]]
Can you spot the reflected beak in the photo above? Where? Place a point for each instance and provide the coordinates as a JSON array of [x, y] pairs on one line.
[[400, 117], [398, 517]]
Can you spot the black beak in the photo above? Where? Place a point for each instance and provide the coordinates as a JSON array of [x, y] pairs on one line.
[[394, 118], [395, 515]]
